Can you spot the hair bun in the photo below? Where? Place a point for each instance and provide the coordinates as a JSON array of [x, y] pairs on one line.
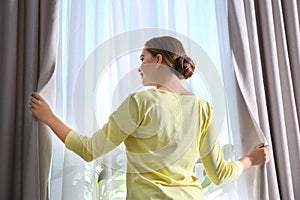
[[185, 66]]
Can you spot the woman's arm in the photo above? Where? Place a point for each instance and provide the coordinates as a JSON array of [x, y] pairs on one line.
[[221, 171], [42, 111], [218, 169], [120, 125]]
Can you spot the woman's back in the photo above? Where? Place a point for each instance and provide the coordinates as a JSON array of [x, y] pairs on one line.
[[163, 151]]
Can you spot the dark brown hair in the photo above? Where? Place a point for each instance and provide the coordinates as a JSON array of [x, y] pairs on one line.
[[173, 54]]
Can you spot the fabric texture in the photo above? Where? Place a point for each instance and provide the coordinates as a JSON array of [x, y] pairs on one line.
[[162, 145], [265, 48], [28, 31]]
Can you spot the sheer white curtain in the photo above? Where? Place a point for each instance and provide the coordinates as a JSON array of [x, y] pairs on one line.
[[100, 43]]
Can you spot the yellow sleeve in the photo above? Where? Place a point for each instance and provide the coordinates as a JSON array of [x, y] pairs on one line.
[[123, 122], [217, 168]]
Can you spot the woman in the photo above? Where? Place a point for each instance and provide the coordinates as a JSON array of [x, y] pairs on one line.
[[164, 131]]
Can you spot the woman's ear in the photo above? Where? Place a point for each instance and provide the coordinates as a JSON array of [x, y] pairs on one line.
[[159, 59]]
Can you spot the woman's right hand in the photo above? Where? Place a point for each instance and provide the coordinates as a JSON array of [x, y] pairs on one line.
[[258, 155]]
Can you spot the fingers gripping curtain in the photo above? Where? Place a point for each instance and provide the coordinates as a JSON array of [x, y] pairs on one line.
[[264, 40], [27, 60]]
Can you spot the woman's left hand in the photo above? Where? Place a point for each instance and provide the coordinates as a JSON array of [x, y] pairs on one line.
[[40, 108]]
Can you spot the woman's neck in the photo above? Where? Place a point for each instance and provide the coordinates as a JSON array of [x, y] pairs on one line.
[[167, 80], [174, 86]]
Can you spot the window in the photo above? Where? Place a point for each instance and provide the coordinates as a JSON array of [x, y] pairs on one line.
[[94, 76]]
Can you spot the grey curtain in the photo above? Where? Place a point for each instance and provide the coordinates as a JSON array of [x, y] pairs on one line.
[[265, 48], [27, 63]]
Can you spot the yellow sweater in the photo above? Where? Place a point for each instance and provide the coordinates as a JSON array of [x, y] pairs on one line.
[[164, 134]]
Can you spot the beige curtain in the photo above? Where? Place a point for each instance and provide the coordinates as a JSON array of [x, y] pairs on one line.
[[265, 48], [27, 63]]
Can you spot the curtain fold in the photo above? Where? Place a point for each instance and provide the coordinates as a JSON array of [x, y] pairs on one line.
[[264, 40], [240, 118], [28, 51]]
